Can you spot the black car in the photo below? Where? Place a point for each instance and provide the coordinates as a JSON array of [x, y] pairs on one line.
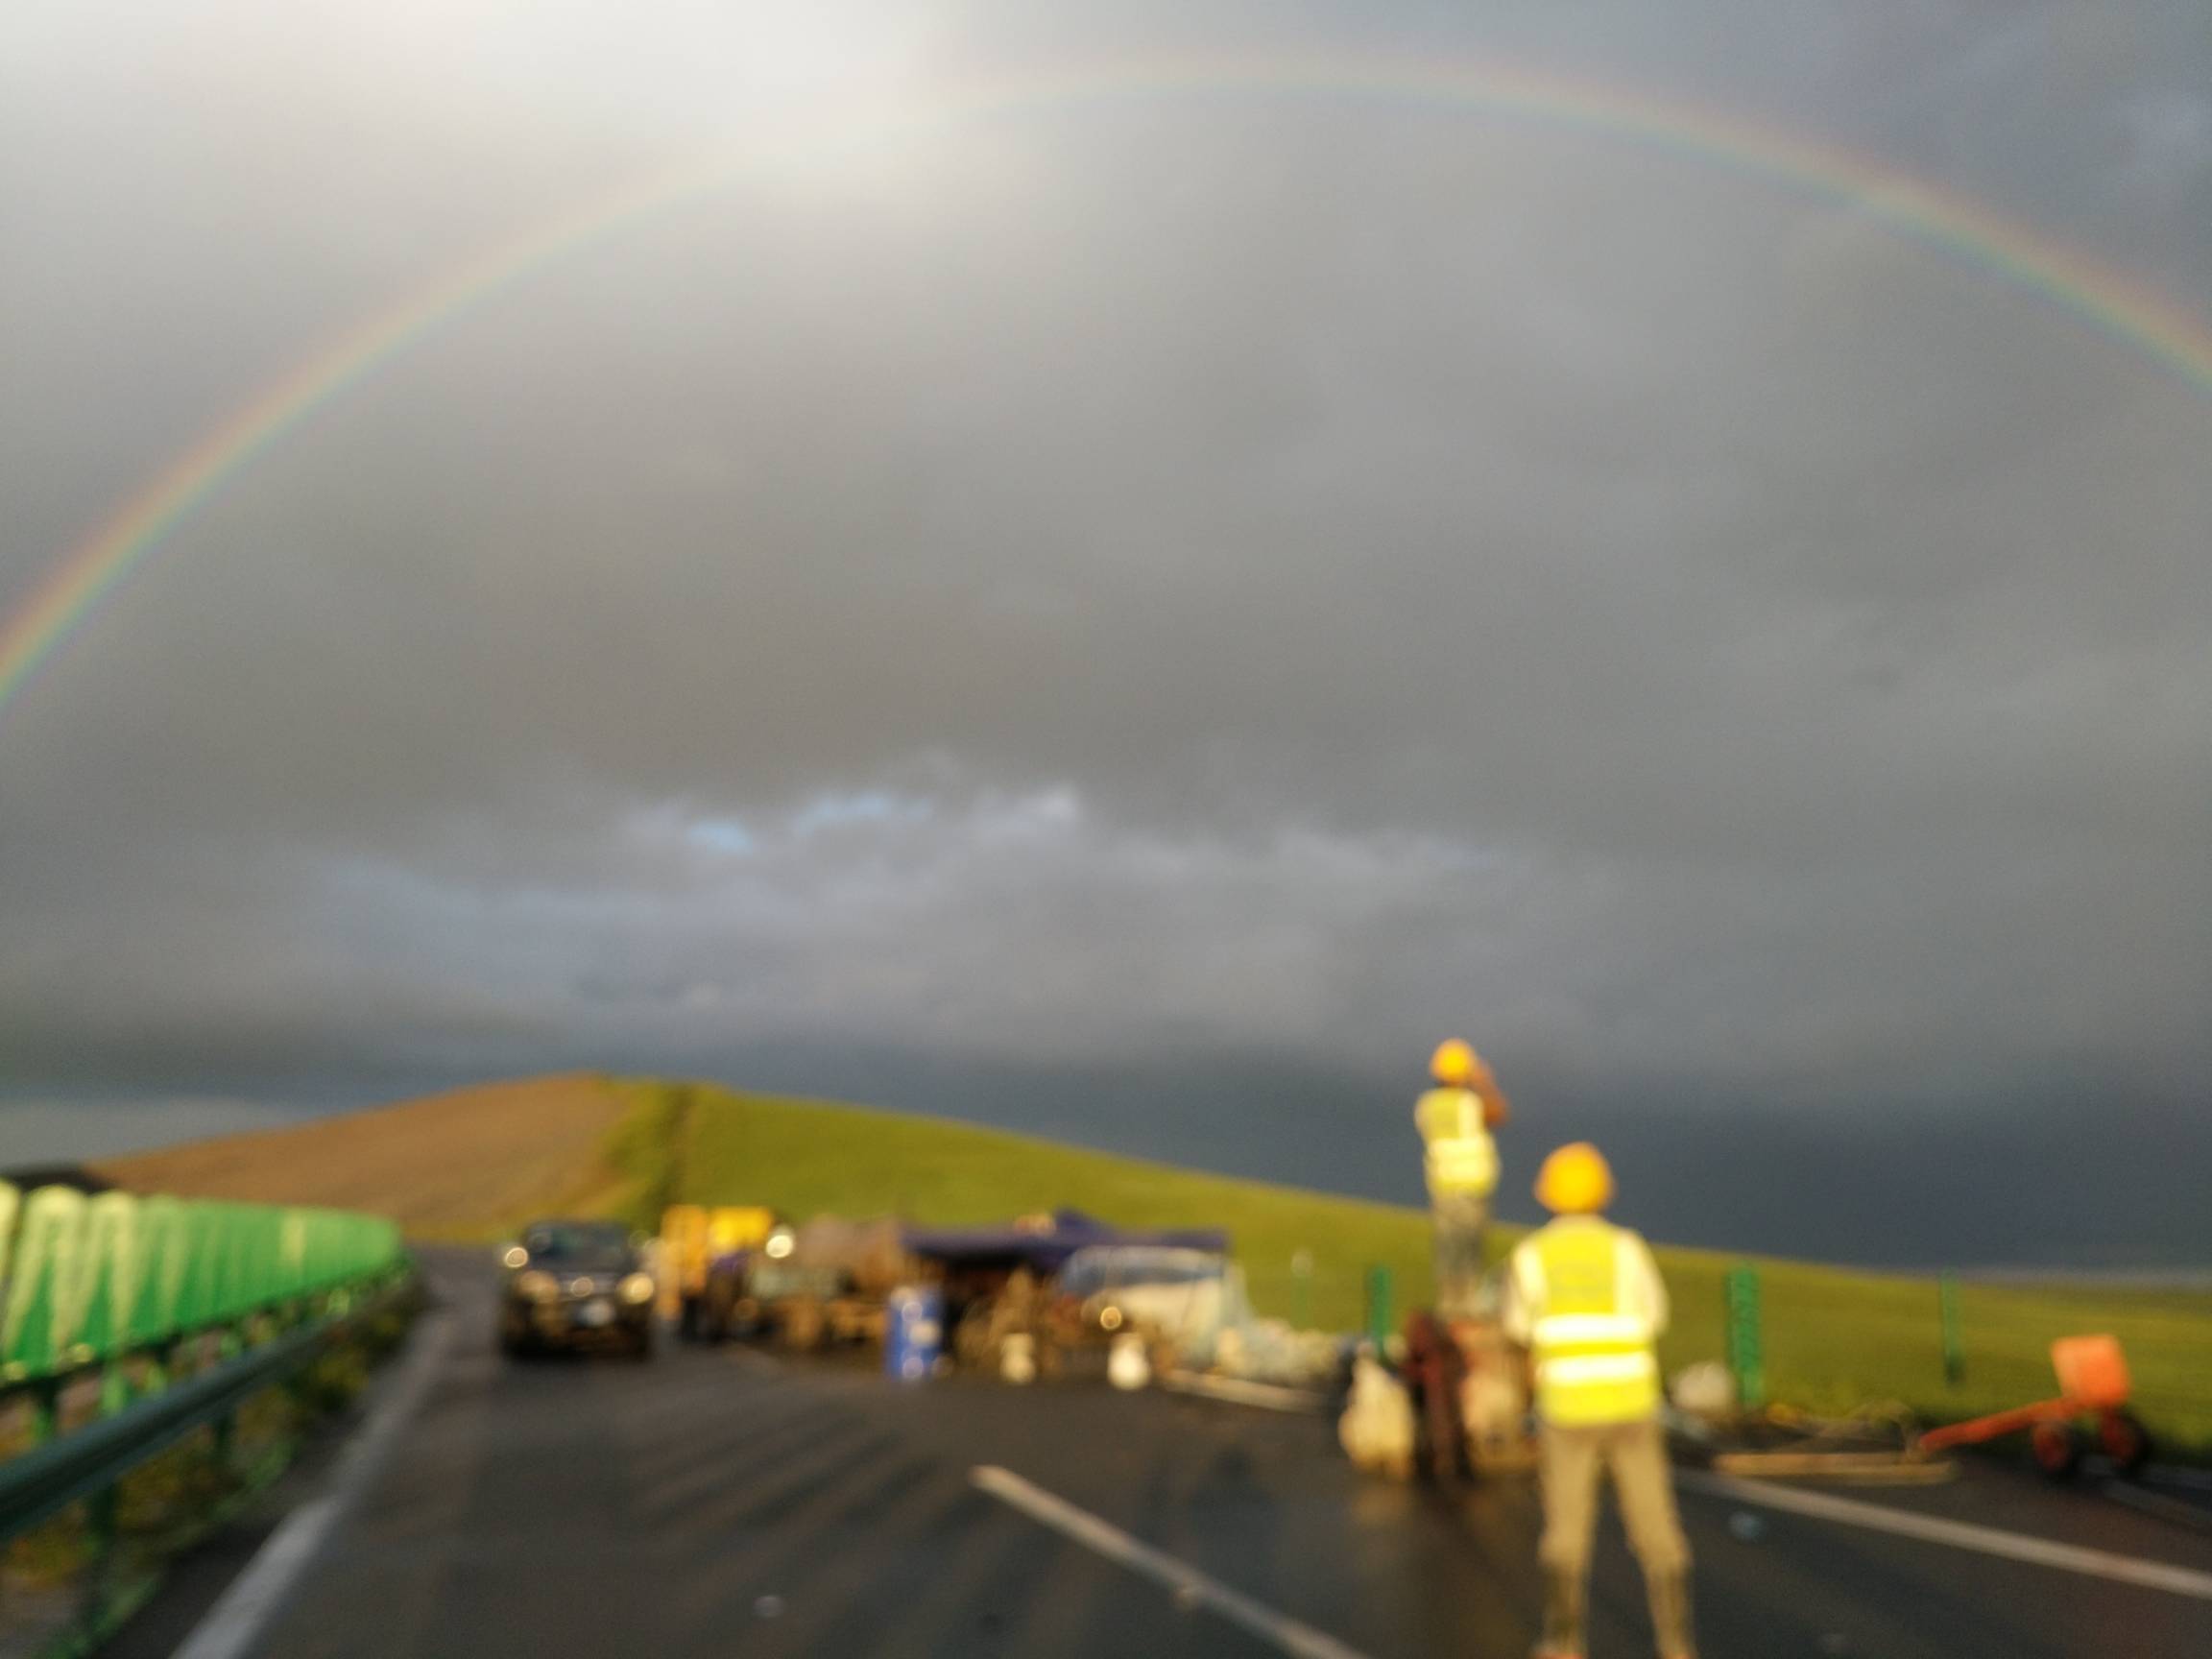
[[576, 1284]]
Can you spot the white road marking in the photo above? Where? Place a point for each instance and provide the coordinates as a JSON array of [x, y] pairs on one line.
[[1191, 1588], [2174, 1509], [244, 1611], [2157, 1475], [1271, 1396], [1960, 1534]]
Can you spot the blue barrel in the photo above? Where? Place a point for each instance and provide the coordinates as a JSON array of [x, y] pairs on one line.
[[914, 1333]]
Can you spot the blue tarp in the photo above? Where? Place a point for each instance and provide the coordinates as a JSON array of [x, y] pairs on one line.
[[1043, 1251]]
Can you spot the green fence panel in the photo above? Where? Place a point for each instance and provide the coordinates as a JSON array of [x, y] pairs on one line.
[[200, 1238], [294, 1236], [249, 1253], [98, 1277], [162, 1246], [113, 1265], [234, 1258], [277, 1275], [11, 1201], [257, 1263], [45, 1290], [314, 1250]]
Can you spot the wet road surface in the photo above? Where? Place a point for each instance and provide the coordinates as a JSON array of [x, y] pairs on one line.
[[721, 1502]]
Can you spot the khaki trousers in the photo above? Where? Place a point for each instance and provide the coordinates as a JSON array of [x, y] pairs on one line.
[[1636, 1453], [1569, 1462]]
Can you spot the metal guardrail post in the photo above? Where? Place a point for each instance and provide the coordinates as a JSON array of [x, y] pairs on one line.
[[160, 1367], [171, 1313], [45, 1409], [100, 1532], [70, 1468], [114, 1387]]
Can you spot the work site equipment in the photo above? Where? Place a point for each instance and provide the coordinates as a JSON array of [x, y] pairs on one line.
[[2094, 1384], [1457, 1405], [1127, 1364], [826, 1281], [693, 1237], [1377, 1429], [1875, 1445], [914, 1331], [1574, 1180]]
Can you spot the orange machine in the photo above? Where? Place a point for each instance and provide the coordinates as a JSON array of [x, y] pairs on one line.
[[2093, 1383]]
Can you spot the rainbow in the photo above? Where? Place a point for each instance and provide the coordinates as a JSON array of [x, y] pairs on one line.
[[2124, 310]]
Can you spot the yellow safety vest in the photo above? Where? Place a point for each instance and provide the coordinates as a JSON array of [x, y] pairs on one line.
[[1462, 1157], [1594, 1355]]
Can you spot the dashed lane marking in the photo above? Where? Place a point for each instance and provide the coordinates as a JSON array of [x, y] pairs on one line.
[[1191, 1587]]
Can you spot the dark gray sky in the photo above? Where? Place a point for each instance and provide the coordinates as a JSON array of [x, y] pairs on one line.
[[1133, 617]]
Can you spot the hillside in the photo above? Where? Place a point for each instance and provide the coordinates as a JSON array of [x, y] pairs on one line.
[[475, 1163], [458, 1166]]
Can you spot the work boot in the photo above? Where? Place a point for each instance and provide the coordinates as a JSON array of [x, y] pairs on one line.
[[1669, 1594], [1563, 1595]]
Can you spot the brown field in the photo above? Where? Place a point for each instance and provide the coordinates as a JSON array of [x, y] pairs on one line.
[[465, 1164]]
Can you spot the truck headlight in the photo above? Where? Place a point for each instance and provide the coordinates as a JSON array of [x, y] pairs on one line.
[[536, 1285], [638, 1290]]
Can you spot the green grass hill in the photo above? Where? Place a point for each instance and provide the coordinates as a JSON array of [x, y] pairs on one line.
[[468, 1166]]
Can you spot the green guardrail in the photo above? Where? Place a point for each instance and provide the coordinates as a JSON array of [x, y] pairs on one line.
[[88, 1281], [142, 1321], [43, 1482]]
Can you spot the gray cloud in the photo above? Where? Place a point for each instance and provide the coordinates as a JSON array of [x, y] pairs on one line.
[[1124, 591]]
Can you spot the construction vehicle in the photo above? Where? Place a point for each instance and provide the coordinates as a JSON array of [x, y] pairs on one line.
[[2093, 1383], [693, 1237], [825, 1282]]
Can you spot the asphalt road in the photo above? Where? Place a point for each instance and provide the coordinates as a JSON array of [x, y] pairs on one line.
[[718, 1502]]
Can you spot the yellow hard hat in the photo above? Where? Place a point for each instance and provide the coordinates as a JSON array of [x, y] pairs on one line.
[[1575, 1180], [1453, 1061]]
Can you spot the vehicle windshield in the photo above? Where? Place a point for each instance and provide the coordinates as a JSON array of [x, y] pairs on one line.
[[577, 1244]]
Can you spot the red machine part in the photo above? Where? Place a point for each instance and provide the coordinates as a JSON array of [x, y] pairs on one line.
[[2094, 1382]]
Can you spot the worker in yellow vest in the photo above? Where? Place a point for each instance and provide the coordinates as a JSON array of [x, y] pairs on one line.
[[1456, 1118], [1584, 1297]]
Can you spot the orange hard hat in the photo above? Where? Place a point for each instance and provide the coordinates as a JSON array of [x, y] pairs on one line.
[[1575, 1180], [1453, 1061]]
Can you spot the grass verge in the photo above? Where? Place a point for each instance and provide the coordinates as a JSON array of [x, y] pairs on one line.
[[1835, 1338]]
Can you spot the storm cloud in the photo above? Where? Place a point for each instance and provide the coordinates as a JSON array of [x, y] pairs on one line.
[[1080, 605]]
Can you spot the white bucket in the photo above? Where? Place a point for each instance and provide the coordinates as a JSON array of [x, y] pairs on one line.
[[1126, 1366]]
